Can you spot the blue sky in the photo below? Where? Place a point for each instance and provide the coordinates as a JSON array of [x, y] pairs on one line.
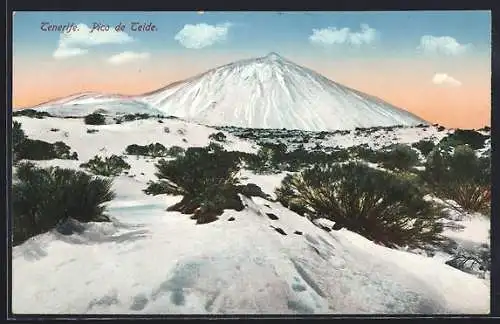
[[267, 31]]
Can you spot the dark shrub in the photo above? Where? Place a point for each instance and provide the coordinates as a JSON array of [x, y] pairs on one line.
[[109, 166], [475, 139], [207, 180], [92, 131], [381, 206], [441, 128], [213, 146], [157, 150], [43, 198], [62, 151], [31, 113], [138, 116], [462, 176], [135, 149], [399, 157], [219, 137], [153, 150], [54, 129], [365, 153], [39, 150], [175, 151], [95, 119], [424, 146], [18, 136]]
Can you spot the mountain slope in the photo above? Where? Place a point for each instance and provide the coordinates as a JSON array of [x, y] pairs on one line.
[[273, 92], [82, 104]]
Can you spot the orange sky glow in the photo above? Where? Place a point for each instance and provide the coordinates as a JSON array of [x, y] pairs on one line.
[[405, 84]]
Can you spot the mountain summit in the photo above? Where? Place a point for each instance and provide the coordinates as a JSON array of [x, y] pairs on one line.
[[273, 92]]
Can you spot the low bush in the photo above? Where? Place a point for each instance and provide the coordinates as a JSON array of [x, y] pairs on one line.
[[461, 176], [110, 166], [399, 157], [472, 138], [44, 198], [31, 113], [207, 180], [95, 119], [424, 146], [219, 137], [383, 207], [28, 149], [152, 150]]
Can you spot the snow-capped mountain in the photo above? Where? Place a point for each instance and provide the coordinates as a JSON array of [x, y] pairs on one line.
[[273, 92], [82, 104], [265, 92]]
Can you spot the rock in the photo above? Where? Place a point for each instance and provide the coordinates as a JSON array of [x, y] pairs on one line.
[[230, 219], [279, 230], [272, 216]]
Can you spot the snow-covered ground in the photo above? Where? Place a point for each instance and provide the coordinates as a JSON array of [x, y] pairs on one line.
[[152, 261]]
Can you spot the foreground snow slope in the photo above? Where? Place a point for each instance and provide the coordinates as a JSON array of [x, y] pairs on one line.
[[155, 262], [169, 265]]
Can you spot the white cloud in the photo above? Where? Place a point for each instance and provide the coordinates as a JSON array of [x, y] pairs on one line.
[[442, 45], [75, 42], [63, 52], [445, 79], [202, 35], [126, 57], [332, 35]]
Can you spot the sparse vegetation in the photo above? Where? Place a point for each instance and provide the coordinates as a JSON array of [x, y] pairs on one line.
[[424, 146], [95, 119], [138, 116], [18, 137], [399, 157], [207, 180], [475, 139], [44, 198], [381, 206], [153, 150], [110, 166], [175, 151], [461, 176], [31, 113], [219, 137], [28, 149]]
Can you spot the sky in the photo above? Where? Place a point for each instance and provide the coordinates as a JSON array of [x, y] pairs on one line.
[[435, 64]]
